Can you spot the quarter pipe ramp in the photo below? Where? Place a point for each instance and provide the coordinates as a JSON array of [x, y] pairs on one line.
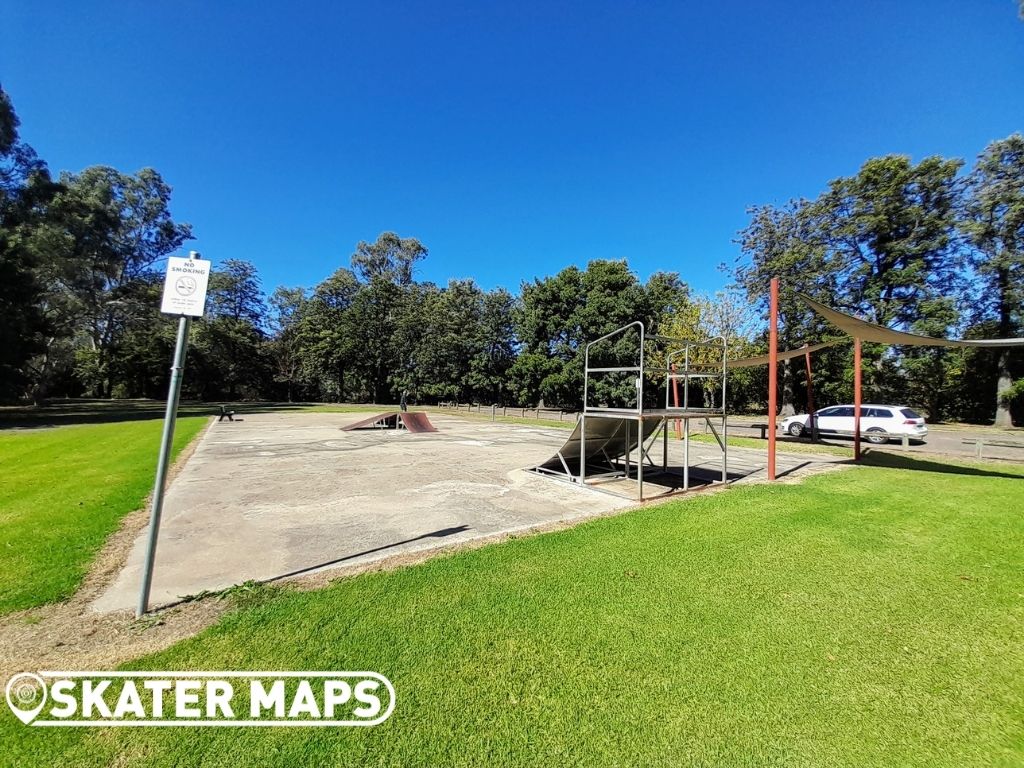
[[606, 441]]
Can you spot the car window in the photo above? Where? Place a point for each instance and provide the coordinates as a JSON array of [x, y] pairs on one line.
[[881, 413], [843, 411], [828, 412], [910, 413]]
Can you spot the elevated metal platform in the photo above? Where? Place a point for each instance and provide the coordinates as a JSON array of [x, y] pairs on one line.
[[616, 441]]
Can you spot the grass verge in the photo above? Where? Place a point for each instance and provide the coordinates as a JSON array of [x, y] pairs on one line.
[[63, 492], [867, 617], [788, 446]]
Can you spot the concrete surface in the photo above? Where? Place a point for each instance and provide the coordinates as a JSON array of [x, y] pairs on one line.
[[286, 494]]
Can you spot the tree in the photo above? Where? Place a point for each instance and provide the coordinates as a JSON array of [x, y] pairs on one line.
[[103, 234], [559, 315], [229, 343], [994, 223], [390, 257], [327, 346], [25, 188], [880, 244], [888, 232], [287, 307], [785, 243], [235, 292]]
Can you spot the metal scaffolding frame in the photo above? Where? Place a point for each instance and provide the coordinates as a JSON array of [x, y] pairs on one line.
[[681, 364]]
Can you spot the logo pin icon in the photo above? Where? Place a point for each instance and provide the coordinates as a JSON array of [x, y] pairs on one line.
[[26, 695]]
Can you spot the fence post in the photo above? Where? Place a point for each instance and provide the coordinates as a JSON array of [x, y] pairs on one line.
[[978, 447], [493, 407], [906, 440]]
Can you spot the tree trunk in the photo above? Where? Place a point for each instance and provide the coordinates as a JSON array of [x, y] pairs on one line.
[[787, 397], [1003, 416]]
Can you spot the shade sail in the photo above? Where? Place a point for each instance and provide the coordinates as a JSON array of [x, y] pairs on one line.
[[861, 329], [750, 362]]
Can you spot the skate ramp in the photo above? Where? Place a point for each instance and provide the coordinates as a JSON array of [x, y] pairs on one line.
[[380, 421], [411, 421], [607, 440], [416, 422]]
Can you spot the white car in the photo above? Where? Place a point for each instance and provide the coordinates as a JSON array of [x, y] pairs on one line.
[[878, 423]]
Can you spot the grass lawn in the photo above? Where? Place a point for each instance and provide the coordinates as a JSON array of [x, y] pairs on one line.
[[873, 616], [788, 446], [62, 493]]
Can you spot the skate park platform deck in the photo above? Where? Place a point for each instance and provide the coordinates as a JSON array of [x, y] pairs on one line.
[[283, 495]]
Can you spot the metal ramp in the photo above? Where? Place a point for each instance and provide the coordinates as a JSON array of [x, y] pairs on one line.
[[606, 442], [619, 426]]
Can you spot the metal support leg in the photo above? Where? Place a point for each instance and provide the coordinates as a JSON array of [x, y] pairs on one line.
[[686, 456], [583, 449], [640, 464], [627, 450], [725, 450], [664, 445]]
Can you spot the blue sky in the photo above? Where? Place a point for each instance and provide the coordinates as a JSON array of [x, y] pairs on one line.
[[511, 139]]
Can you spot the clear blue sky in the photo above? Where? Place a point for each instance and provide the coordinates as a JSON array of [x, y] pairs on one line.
[[512, 139]]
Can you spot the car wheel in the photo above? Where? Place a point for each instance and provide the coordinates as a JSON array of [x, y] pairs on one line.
[[877, 436], [796, 429]]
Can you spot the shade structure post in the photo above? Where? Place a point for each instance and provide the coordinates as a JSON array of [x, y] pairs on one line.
[[773, 368], [856, 399], [811, 423]]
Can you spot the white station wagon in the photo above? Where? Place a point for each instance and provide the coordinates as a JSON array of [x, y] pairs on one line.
[[878, 423]]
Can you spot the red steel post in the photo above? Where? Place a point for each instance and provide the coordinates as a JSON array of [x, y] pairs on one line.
[[810, 397], [773, 369]]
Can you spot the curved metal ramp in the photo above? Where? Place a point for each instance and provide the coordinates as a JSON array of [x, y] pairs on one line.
[[607, 441]]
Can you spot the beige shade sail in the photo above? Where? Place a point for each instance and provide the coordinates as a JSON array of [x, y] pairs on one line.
[[750, 362], [865, 331]]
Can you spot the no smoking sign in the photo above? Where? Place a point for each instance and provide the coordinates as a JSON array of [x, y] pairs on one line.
[[185, 287]]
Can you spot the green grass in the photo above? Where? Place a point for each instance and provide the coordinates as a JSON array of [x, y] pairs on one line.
[[63, 491], [868, 617], [788, 445]]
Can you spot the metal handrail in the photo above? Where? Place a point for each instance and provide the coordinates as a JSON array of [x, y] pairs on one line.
[[640, 368]]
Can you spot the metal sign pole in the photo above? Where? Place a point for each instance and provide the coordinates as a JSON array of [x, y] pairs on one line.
[[166, 441]]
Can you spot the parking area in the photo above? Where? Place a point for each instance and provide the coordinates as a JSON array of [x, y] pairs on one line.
[[283, 495]]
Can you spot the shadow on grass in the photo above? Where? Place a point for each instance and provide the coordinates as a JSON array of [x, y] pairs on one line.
[[57, 413], [894, 461]]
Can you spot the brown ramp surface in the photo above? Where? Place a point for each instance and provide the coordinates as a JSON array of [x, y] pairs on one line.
[[417, 422], [380, 421]]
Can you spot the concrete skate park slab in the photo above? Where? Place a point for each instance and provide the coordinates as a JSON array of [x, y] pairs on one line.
[[286, 494]]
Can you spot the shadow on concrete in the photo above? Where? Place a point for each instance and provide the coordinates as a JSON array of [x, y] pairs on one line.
[[439, 534], [671, 479], [874, 458]]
